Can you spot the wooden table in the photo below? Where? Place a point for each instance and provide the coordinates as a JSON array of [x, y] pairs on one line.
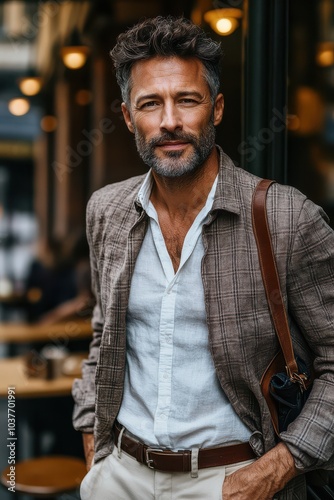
[[13, 374], [36, 396], [18, 333]]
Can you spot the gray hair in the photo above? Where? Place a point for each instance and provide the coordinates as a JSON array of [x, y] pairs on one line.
[[166, 37]]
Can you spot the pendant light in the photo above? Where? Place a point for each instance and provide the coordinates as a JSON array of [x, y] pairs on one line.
[[74, 54], [223, 21]]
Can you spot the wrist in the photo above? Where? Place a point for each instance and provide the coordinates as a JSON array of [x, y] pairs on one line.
[[278, 466], [88, 443]]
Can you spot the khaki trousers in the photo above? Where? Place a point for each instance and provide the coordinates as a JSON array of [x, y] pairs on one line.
[[120, 477]]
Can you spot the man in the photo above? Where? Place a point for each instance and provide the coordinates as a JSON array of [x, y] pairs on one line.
[[182, 331]]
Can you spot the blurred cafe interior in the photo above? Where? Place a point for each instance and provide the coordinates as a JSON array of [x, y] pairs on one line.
[[62, 136]]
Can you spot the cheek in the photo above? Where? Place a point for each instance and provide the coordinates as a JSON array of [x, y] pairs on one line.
[[197, 119], [148, 125], [195, 125]]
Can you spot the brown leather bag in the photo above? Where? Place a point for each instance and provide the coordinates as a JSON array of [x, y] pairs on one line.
[[286, 382]]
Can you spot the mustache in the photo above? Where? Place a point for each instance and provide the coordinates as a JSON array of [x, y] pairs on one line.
[[172, 136]]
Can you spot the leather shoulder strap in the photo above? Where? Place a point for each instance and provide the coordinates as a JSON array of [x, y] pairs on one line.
[[270, 275]]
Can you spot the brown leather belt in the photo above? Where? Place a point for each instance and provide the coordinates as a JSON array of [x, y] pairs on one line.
[[180, 461]]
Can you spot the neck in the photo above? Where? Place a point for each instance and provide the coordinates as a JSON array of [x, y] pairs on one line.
[[180, 196]]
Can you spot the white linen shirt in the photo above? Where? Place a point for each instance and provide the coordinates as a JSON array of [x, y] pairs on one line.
[[172, 397]]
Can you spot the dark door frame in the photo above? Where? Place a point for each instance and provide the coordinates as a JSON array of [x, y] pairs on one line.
[[265, 75]]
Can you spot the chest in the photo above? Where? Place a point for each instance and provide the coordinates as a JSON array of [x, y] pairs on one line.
[[161, 300], [174, 234], [174, 243]]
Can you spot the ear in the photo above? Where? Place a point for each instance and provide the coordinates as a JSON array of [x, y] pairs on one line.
[[127, 117], [218, 109]]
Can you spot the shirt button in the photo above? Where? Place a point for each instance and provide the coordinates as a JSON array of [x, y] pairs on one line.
[[166, 375], [168, 340]]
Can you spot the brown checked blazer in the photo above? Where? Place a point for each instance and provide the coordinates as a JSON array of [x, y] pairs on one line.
[[241, 335]]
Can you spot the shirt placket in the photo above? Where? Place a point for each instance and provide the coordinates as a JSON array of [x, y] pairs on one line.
[[166, 330], [165, 365]]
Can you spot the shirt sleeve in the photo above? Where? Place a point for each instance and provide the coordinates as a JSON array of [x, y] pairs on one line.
[[310, 283], [83, 390]]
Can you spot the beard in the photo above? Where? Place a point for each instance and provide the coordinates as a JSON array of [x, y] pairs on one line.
[[177, 163]]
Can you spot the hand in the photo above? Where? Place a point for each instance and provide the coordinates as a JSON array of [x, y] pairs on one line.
[[88, 443], [245, 484], [263, 478]]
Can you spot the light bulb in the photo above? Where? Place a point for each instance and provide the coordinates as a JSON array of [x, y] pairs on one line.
[[223, 21], [325, 58], [224, 26], [74, 57], [30, 85], [19, 106]]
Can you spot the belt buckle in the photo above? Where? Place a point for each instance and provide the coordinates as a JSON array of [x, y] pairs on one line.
[[149, 460]]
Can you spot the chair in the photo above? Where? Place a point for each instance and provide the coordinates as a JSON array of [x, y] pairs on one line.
[[46, 477]]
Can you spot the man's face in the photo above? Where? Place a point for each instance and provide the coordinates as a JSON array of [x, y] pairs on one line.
[[172, 115]]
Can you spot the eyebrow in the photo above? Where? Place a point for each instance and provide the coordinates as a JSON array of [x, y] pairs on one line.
[[184, 93]]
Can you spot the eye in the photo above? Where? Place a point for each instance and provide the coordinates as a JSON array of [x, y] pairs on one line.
[[149, 104], [188, 100]]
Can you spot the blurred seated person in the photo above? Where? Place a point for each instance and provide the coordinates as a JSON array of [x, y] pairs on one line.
[[58, 284], [58, 289]]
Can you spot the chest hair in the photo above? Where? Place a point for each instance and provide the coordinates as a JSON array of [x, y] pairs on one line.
[[174, 234]]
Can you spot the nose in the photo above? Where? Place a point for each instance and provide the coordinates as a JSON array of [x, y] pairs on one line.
[[170, 118]]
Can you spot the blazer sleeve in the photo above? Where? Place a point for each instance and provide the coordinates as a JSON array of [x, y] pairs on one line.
[[310, 284], [83, 390]]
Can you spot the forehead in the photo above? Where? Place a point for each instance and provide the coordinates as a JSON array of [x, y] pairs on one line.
[[161, 73]]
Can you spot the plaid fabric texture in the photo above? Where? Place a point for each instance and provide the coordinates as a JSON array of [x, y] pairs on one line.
[[241, 334]]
